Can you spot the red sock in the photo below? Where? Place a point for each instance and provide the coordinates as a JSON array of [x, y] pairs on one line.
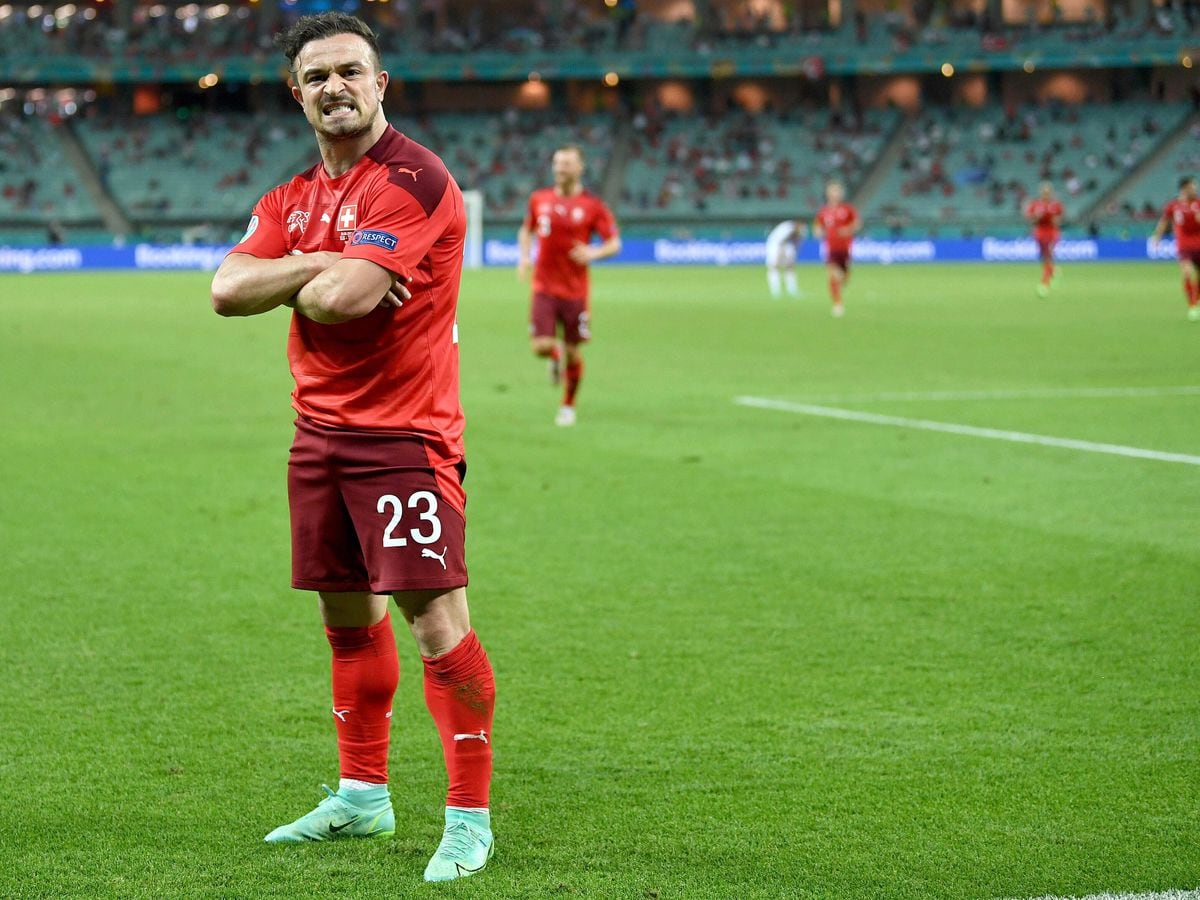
[[366, 670], [1047, 272], [1192, 289], [556, 353], [460, 692], [835, 289], [574, 376]]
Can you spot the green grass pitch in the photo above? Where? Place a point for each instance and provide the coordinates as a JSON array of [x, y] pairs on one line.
[[739, 652]]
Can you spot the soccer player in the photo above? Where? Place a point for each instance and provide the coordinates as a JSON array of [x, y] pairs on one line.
[[1183, 215], [564, 218], [366, 248], [783, 243], [837, 222], [1045, 213]]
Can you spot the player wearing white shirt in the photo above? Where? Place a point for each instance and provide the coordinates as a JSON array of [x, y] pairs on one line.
[[783, 243]]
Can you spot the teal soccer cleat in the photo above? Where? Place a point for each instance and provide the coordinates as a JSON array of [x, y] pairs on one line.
[[466, 846], [342, 814]]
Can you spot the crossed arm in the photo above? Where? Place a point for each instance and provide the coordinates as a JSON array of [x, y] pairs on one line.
[[321, 286]]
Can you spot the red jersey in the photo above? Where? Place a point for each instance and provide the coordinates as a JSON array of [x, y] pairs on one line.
[[832, 220], [393, 370], [1043, 213], [1184, 216], [560, 222]]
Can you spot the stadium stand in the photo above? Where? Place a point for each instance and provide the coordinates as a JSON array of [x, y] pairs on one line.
[[205, 166], [194, 162], [1140, 203], [959, 170], [505, 33], [739, 164], [974, 169], [37, 185]]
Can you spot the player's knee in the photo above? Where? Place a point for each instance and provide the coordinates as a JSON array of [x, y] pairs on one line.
[[543, 347], [438, 618], [352, 609]]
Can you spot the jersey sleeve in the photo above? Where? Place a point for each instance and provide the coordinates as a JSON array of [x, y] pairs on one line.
[[394, 229], [605, 224], [264, 235]]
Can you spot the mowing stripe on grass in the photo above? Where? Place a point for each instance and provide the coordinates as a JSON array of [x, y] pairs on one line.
[[996, 434], [1157, 895], [1082, 393]]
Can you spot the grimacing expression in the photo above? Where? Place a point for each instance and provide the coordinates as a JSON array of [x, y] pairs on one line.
[[339, 86], [567, 167]]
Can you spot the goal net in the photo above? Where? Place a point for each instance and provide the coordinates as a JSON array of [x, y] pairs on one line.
[[473, 254]]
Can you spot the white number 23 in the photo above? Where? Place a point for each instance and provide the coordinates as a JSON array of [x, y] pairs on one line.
[[397, 508]]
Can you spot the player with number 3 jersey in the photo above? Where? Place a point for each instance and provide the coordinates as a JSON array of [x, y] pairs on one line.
[[366, 247], [564, 218]]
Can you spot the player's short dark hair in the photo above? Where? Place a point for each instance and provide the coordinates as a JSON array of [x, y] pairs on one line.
[[1186, 180], [573, 148], [325, 25]]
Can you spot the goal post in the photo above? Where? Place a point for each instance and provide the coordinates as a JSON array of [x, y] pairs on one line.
[[473, 252]]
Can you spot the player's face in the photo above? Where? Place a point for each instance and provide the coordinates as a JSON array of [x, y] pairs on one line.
[[834, 193], [338, 85], [1047, 191], [1188, 191], [567, 167]]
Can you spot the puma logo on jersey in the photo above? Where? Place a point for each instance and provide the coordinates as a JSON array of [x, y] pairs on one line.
[[341, 713], [412, 172], [482, 736], [426, 553]]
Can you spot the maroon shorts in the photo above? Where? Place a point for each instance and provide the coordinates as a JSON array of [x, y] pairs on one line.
[[1189, 254], [839, 258], [369, 512], [548, 312]]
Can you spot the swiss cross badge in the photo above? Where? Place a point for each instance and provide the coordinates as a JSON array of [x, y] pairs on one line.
[[347, 218]]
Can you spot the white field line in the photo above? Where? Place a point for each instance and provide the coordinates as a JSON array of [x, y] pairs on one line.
[[1018, 437], [1188, 390], [1159, 895]]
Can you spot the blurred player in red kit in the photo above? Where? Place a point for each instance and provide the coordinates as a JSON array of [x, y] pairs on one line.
[[564, 218], [1045, 213], [837, 222], [366, 248], [1182, 215]]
